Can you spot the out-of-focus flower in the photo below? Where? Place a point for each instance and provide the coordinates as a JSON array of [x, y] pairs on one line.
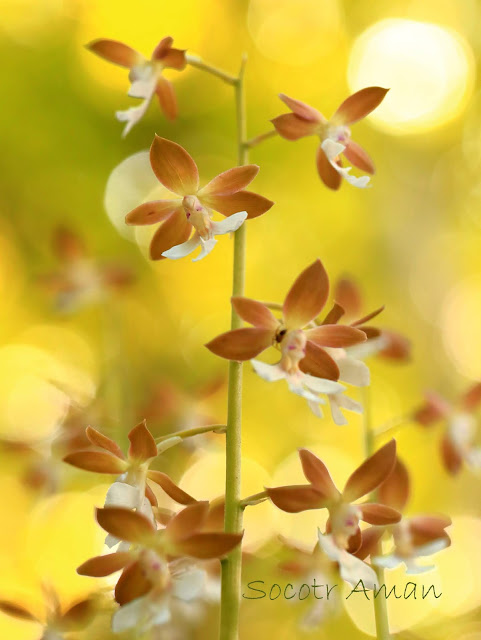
[[305, 362], [382, 342], [344, 514], [458, 445], [413, 537], [311, 568], [130, 490], [193, 207], [57, 622], [81, 280], [146, 76], [334, 134], [156, 567]]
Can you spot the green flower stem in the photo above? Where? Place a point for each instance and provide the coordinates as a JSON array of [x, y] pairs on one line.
[[198, 63], [253, 142], [232, 564], [380, 604], [189, 433], [251, 501]]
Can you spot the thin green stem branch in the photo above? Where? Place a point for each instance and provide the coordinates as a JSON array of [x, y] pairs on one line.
[[189, 433], [380, 604], [197, 62], [253, 142], [256, 498], [232, 565]]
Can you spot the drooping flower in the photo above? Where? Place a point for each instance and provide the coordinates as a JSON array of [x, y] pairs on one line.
[[458, 445], [413, 537], [130, 490], [334, 134], [306, 362], [351, 568], [81, 280], [146, 76], [344, 512], [193, 207], [384, 343], [57, 623], [155, 567]]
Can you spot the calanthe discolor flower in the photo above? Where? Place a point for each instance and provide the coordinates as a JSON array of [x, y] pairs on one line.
[[146, 76], [192, 209], [334, 134]]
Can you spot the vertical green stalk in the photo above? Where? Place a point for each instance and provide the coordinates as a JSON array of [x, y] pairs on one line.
[[380, 604], [232, 565]]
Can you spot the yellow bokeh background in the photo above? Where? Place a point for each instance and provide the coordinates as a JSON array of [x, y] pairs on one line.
[[412, 241]]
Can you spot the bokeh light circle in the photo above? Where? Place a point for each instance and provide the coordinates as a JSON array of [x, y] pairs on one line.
[[430, 70]]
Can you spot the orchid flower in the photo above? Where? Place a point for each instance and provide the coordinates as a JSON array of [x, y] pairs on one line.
[[458, 445], [192, 209], [146, 76], [81, 280], [351, 568], [150, 567], [334, 134], [130, 490], [305, 362], [413, 537], [344, 513]]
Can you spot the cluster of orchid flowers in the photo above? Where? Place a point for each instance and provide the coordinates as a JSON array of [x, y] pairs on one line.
[[166, 557]]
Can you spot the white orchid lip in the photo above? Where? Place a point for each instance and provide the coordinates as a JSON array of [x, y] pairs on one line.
[[333, 150], [351, 569], [228, 225]]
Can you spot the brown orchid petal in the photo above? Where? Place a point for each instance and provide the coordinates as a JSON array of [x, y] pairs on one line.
[[426, 528], [215, 516], [77, 616], [125, 524], [162, 48], [319, 363], [241, 344], [379, 514], [316, 472], [296, 498], [150, 495], [254, 313], [206, 546], [358, 157], [100, 440], [292, 127], [116, 52], [371, 538], [371, 332], [16, 611], [152, 212], [369, 475], [335, 335], [307, 296], [167, 98], [174, 167], [230, 181], [355, 541], [302, 109], [326, 171], [187, 521], [348, 295], [132, 584], [452, 459], [163, 516], [398, 347], [359, 105], [101, 566], [175, 230], [96, 461], [368, 317], [67, 245], [394, 491], [170, 488], [142, 443], [175, 59], [334, 315], [434, 408], [472, 398], [254, 204]]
